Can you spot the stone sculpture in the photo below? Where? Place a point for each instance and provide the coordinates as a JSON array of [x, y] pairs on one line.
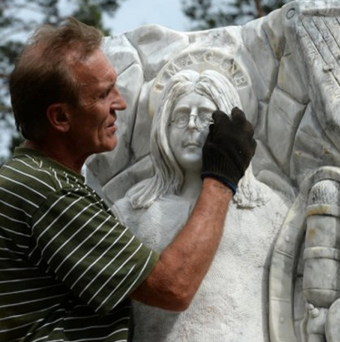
[[305, 270], [156, 209], [284, 69]]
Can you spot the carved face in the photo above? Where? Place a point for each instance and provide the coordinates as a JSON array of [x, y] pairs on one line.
[[189, 128]]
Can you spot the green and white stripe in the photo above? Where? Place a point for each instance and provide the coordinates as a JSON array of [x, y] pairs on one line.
[[66, 265]]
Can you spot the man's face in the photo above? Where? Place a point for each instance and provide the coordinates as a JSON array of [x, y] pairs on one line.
[[92, 122]]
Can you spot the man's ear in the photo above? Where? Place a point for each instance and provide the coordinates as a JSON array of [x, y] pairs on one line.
[[58, 117]]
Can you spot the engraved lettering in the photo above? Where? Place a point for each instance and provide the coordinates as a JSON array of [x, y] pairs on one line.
[[233, 68], [240, 80], [172, 69], [208, 56], [225, 64]]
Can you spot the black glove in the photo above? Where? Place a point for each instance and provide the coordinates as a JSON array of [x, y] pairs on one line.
[[229, 147]]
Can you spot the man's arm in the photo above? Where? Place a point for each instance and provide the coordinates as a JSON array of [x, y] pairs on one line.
[[184, 263]]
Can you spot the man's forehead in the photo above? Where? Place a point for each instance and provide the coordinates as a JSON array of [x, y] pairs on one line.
[[95, 69]]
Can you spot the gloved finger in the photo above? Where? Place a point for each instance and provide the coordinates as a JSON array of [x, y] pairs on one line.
[[218, 115], [250, 150], [240, 120], [248, 128], [238, 117]]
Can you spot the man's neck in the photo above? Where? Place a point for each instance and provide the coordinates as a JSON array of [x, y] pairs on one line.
[[60, 154]]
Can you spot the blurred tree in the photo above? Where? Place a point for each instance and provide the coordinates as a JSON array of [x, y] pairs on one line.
[[207, 14], [18, 18]]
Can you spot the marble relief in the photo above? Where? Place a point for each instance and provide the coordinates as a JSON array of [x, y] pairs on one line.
[[156, 209], [276, 275]]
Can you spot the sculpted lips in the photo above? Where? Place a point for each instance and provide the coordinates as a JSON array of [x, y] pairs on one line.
[[192, 142], [188, 144]]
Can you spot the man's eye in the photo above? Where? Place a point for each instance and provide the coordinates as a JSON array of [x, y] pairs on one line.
[[105, 93]]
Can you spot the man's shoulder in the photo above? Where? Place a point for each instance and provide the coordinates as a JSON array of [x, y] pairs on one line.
[[30, 169]]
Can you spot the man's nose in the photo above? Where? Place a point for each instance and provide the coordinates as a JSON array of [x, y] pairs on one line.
[[119, 102], [122, 103]]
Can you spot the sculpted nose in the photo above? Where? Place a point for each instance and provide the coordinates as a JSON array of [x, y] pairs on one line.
[[193, 119]]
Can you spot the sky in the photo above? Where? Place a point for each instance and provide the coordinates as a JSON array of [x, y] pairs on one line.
[[135, 13]]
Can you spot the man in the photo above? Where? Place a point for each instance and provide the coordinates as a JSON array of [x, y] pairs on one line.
[[68, 268]]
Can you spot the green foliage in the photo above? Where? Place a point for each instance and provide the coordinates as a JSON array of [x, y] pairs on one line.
[[18, 18], [207, 14]]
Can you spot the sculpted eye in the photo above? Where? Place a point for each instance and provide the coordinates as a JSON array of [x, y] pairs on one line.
[[181, 120], [206, 111], [205, 115]]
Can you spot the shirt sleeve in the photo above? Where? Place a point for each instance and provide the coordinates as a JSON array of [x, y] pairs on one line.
[[96, 257]]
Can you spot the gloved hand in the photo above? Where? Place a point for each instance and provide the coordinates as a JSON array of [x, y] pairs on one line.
[[229, 147]]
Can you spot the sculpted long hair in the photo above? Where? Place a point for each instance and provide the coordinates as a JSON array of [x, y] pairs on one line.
[[168, 177]]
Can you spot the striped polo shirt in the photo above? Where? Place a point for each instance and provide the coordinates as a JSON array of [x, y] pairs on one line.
[[67, 266]]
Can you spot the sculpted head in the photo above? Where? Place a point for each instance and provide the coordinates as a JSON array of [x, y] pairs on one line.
[[188, 130], [180, 126]]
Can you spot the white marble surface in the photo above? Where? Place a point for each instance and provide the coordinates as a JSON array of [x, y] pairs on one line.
[[285, 70], [304, 275], [230, 304]]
